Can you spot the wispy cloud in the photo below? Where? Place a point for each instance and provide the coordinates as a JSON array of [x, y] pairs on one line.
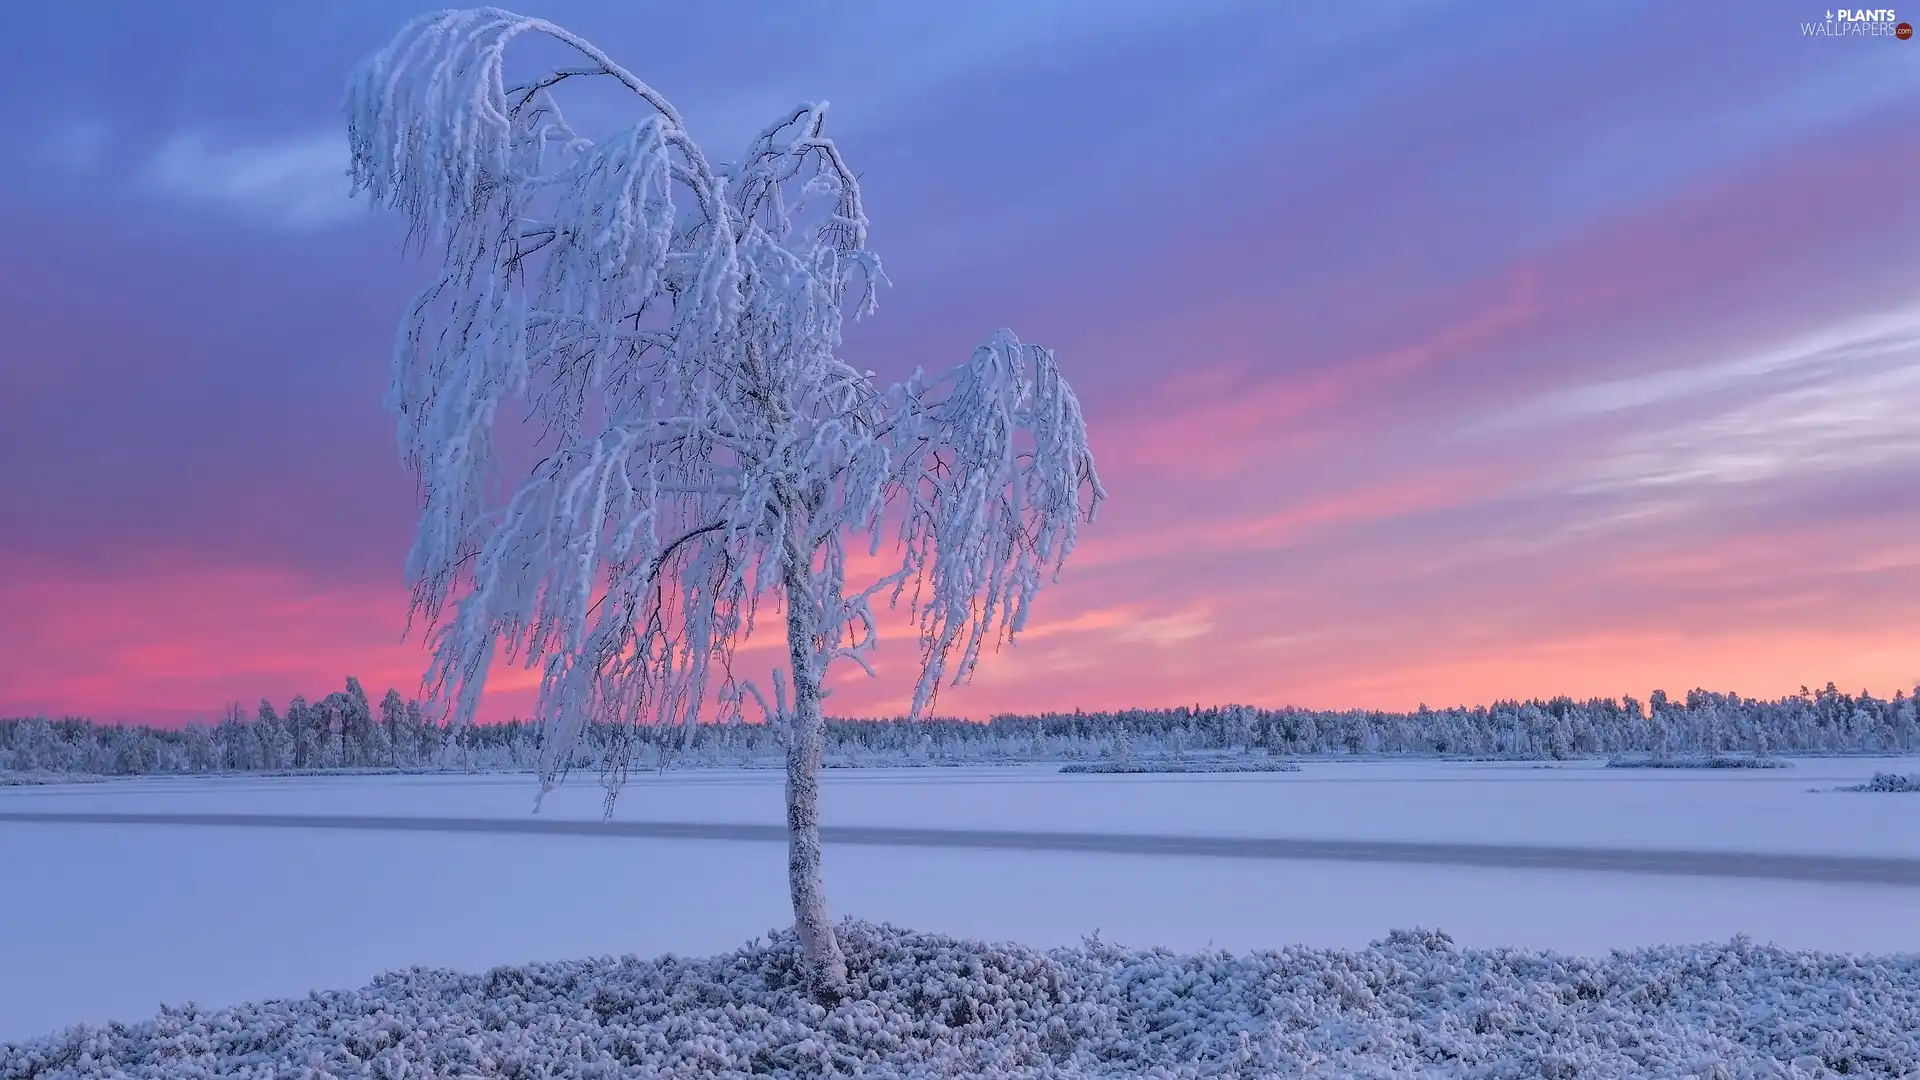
[[298, 182], [1164, 630], [1137, 624], [1838, 349], [1295, 522], [1853, 421], [1842, 398]]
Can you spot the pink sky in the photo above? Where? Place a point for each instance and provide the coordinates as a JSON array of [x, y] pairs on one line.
[[1425, 360]]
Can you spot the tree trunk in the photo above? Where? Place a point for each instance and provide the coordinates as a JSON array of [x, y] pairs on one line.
[[806, 739]]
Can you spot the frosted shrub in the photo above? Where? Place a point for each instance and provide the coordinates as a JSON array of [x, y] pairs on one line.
[[1891, 783], [1414, 1005]]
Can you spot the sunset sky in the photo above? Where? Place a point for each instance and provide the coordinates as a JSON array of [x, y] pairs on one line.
[[1432, 352]]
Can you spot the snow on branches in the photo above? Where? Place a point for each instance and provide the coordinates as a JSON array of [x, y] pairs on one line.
[[673, 325]]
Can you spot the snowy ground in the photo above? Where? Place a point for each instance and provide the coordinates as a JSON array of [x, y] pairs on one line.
[[926, 1006], [105, 922]]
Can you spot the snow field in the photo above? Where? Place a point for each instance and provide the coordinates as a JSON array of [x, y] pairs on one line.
[[1578, 803], [224, 915]]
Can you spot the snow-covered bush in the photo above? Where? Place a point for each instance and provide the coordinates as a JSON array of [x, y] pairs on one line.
[[1182, 765], [1891, 783], [1715, 762], [923, 1005]]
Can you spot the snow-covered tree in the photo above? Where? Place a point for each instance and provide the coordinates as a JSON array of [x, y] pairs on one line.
[[200, 752], [393, 719], [306, 734], [423, 738], [673, 323], [35, 746], [357, 729]]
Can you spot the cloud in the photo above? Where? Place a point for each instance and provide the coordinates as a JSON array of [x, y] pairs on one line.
[[1851, 422], [297, 182], [1222, 424], [1832, 350], [1164, 630], [1291, 523], [1839, 399]]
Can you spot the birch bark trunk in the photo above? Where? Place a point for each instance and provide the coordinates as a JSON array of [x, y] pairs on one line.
[[806, 744]]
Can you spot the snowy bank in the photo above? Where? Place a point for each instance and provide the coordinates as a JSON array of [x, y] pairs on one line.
[[38, 778], [1715, 762], [932, 1006], [1888, 783], [1199, 766]]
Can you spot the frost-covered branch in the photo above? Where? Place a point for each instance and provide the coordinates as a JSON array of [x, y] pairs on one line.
[[995, 474]]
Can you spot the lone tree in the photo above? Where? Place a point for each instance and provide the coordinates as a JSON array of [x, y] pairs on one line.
[[672, 322]]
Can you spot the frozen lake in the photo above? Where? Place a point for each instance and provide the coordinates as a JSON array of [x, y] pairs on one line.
[[105, 921]]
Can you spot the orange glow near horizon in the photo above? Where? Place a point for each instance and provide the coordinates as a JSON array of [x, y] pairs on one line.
[[172, 642]]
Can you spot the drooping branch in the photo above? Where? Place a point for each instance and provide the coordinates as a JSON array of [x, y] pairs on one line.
[[992, 463]]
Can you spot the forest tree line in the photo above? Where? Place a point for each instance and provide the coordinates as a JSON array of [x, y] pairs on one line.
[[346, 730]]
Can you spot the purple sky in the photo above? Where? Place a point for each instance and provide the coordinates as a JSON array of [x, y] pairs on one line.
[[1432, 351]]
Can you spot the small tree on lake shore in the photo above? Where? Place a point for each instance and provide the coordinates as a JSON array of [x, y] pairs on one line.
[[674, 323]]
